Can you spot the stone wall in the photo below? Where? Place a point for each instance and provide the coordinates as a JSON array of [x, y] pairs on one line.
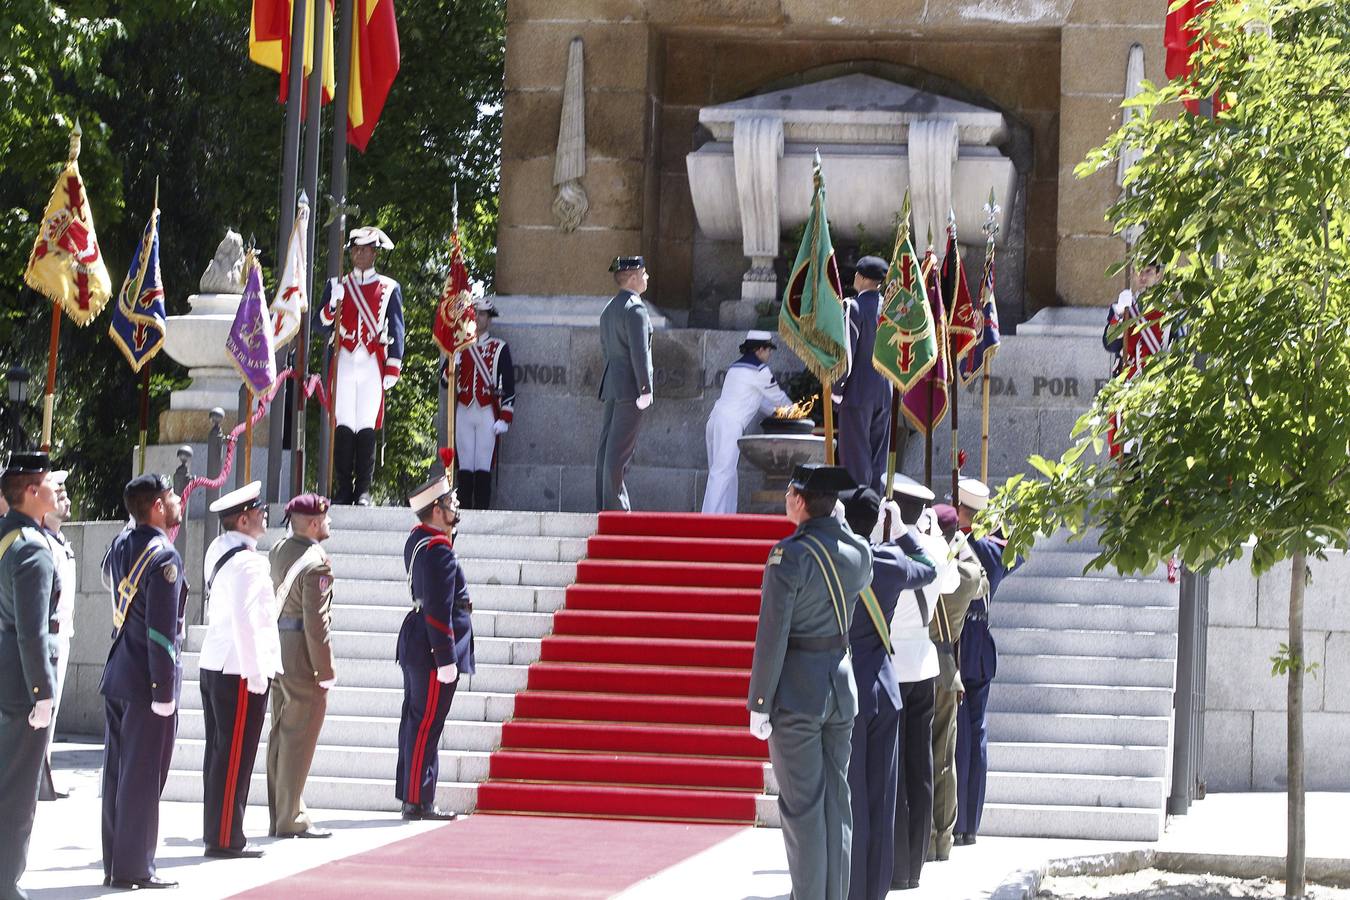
[[1057, 66], [1245, 705]]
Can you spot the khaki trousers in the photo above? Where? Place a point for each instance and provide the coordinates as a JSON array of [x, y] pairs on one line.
[[944, 773], [298, 707]]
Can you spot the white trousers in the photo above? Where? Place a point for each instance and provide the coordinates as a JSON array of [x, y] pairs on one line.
[[474, 440], [360, 389], [724, 454]]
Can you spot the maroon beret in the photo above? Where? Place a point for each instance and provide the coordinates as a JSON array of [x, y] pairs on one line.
[[307, 505], [947, 519]]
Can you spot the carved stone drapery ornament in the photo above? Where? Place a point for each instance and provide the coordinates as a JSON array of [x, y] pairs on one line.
[[757, 145], [569, 165], [932, 162]]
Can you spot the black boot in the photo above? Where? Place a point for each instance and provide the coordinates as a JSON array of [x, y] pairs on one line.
[[465, 486], [482, 490], [365, 465], [344, 446]]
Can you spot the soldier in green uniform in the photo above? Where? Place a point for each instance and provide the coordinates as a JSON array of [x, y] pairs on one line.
[[303, 578], [802, 694], [28, 597]]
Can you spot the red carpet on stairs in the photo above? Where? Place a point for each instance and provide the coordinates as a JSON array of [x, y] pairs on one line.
[[636, 708]]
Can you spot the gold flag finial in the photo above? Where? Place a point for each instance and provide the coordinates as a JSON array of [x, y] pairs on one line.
[[75, 135]]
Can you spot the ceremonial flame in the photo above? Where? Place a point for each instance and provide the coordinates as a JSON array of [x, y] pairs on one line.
[[799, 410]]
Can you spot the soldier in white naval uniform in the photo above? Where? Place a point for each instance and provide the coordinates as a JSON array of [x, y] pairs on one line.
[[748, 391]]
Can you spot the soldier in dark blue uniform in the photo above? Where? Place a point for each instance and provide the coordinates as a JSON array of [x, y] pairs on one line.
[[435, 645], [979, 663], [28, 598], [864, 396], [141, 681], [872, 767]]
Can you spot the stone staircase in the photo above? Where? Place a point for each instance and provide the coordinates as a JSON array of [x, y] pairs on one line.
[[517, 564]]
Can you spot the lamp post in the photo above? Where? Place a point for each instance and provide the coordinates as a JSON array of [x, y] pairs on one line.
[[16, 381]]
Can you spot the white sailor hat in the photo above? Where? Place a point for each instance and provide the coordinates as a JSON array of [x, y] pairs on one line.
[[911, 489], [428, 493], [237, 501], [369, 236], [972, 493]]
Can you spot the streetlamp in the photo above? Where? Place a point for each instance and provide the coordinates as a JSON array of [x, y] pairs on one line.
[[16, 381]]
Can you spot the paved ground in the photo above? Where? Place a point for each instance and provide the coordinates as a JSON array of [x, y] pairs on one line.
[[64, 859]]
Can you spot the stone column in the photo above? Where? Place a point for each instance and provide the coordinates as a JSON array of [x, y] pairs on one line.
[[757, 145]]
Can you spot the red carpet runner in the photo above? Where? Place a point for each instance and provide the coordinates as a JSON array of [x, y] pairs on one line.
[[636, 708]]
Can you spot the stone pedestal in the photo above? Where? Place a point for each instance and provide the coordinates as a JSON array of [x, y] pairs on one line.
[[197, 341], [776, 455]]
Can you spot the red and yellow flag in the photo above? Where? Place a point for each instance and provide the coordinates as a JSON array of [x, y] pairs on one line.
[[269, 43], [456, 326], [66, 265], [375, 63]]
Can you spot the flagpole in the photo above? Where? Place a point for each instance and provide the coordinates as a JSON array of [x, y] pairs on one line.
[[991, 229], [953, 364], [451, 401], [248, 433], [984, 436], [49, 396]]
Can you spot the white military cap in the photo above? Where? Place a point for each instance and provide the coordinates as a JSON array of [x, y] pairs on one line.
[[368, 236], [762, 336], [908, 487], [428, 493], [972, 493], [244, 498]]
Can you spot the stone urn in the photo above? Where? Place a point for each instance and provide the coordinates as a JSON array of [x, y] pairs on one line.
[[776, 454]]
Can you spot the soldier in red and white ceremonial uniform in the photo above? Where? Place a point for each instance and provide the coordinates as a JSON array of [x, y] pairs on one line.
[[369, 360], [485, 396]]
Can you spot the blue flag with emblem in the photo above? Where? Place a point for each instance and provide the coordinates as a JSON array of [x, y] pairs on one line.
[[138, 317]]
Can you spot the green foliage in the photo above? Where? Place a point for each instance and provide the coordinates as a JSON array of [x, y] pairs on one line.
[[1242, 429], [164, 88], [1284, 661]]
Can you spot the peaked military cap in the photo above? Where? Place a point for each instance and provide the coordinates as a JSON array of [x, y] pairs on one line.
[[822, 479], [627, 263], [861, 509], [972, 493], [913, 490], [873, 267], [245, 498], [28, 463]]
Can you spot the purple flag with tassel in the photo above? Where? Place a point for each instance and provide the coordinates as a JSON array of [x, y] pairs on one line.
[[250, 340]]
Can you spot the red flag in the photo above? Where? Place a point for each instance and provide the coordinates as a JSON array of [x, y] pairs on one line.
[[374, 64], [965, 325], [1181, 41], [269, 44], [456, 326]]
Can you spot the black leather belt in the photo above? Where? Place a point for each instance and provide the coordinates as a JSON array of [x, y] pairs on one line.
[[286, 623], [833, 642]]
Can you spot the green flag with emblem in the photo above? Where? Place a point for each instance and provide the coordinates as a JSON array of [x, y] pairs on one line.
[[906, 345], [812, 320]]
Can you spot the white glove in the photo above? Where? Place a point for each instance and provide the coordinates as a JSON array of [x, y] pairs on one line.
[[336, 292], [760, 726], [40, 716], [327, 683], [501, 426], [390, 381], [447, 674], [839, 512], [1122, 303], [837, 398], [644, 400], [163, 708], [257, 684]]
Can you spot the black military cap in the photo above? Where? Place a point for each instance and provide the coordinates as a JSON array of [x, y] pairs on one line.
[[873, 267], [822, 479], [31, 463], [861, 509], [151, 484], [627, 263]]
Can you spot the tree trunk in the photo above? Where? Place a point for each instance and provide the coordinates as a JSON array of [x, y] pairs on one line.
[[1296, 849]]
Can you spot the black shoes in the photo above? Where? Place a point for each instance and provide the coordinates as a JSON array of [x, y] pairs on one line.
[[963, 840], [244, 852], [427, 814], [153, 883]]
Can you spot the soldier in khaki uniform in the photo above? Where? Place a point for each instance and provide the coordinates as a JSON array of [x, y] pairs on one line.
[[303, 578]]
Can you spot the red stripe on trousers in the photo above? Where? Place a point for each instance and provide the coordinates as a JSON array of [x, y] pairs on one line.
[[415, 766], [232, 773]]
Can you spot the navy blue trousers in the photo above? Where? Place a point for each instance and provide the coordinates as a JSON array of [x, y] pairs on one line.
[[234, 720], [871, 789], [137, 749], [426, 703], [864, 438], [914, 790], [972, 757]]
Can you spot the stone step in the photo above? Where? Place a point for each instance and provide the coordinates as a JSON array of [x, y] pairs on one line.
[[362, 568], [1076, 698], [1044, 788], [1067, 641], [385, 673], [1101, 823], [1095, 670], [479, 546], [372, 731], [504, 597], [1095, 616], [386, 702], [382, 644], [472, 521], [1061, 563], [347, 762], [1080, 728], [1082, 589], [486, 622], [1078, 759], [326, 792]]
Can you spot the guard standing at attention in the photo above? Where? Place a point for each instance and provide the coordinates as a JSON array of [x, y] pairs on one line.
[[748, 391], [626, 383], [368, 356], [303, 578], [28, 594], [872, 767], [864, 396], [241, 653], [63, 623], [142, 680], [435, 644], [803, 698], [485, 398], [979, 664]]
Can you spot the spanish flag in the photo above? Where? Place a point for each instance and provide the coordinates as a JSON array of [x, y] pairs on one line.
[[269, 43], [374, 65]]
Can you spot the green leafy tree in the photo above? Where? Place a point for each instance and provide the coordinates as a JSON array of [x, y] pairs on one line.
[[1241, 429]]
